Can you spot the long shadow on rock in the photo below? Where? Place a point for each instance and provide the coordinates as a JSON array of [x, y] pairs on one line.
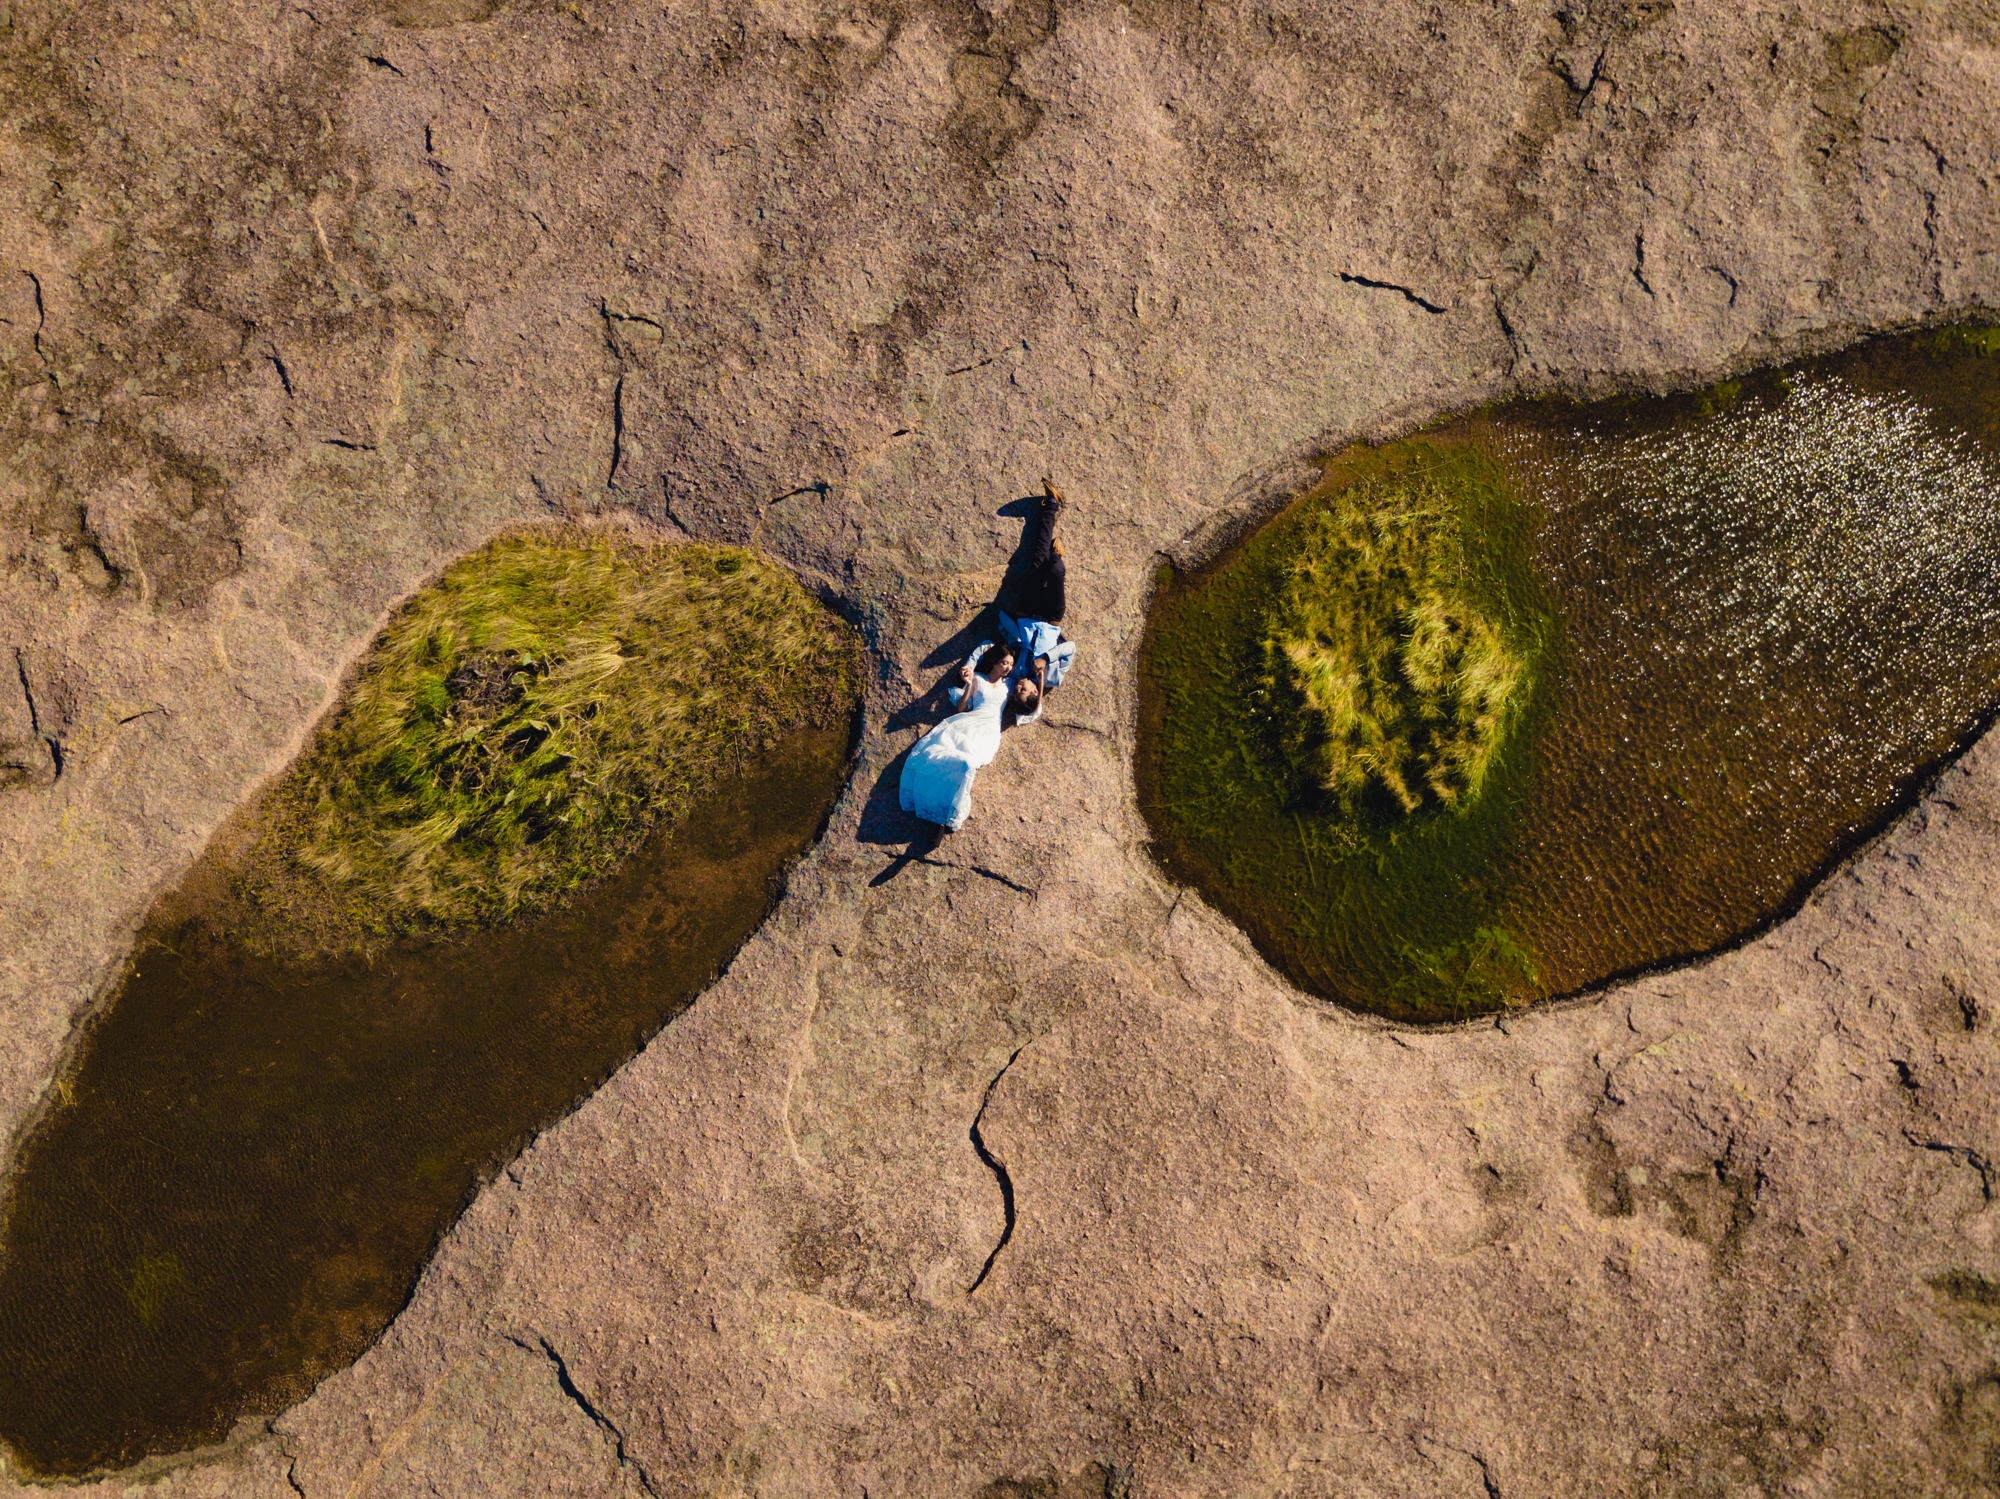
[[1021, 566], [885, 823], [985, 625], [933, 705]]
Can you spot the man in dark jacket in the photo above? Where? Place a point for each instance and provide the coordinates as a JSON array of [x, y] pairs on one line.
[[1036, 634]]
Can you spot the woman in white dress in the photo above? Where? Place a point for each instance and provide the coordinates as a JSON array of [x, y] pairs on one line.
[[937, 778]]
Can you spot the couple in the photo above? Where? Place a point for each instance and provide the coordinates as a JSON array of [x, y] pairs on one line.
[[1001, 684]]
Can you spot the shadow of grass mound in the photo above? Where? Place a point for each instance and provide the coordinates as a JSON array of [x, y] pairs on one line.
[[1337, 726], [524, 722]]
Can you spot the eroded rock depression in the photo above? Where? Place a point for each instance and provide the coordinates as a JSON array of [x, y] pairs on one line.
[[1555, 693]]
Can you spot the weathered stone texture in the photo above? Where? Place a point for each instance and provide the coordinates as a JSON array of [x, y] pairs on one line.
[[297, 302]]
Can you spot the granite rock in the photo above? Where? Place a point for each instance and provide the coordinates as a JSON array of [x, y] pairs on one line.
[[297, 303]]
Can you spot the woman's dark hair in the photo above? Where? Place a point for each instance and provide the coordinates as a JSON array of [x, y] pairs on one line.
[[994, 655]]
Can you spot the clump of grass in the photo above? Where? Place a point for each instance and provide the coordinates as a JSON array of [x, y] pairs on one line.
[[1396, 686], [522, 722], [1403, 913]]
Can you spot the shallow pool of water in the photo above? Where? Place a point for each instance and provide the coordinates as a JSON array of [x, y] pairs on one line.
[[254, 1160], [1779, 612]]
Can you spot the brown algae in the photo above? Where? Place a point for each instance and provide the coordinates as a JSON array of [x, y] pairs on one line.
[[1752, 621], [261, 1140]]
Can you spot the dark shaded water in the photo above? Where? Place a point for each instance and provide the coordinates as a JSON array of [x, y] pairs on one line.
[[1779, 606], [257, 1159]]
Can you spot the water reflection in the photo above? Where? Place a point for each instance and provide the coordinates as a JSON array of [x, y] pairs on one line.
[[1779, 606]]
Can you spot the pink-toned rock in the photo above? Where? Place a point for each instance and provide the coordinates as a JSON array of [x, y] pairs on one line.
[[840, 283]]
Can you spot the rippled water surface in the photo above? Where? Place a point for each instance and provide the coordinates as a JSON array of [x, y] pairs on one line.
[[1779, 606], [256, 1159]]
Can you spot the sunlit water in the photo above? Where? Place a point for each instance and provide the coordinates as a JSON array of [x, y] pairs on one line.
[[1780, 608]]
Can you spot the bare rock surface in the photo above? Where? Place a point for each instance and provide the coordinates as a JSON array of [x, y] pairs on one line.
[[298, 302]]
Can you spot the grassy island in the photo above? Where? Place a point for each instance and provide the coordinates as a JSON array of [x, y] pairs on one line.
[[1339, 722], [1396, 683], [524, 720]]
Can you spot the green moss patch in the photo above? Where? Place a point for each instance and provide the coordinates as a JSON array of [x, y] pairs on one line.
[[1981, 340], [1338, 728], [522, 722]]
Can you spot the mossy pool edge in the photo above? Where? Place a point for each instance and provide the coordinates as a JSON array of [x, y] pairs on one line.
[[484, 1038], [1768, 531]]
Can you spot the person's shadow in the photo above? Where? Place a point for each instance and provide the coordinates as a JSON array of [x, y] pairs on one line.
[[883, 820]]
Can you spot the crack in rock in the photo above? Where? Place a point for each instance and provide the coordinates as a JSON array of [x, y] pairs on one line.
[[49, 741], [1639, 263], [979, 869], [1403, 291], [667, 507], [1486, 1479], [999, 1170], [1077, 726], [998, 878], [284, 1443], [1507, 329], [819, 487], [1566, 70], [584, 1403], [1487, 1482], [41, 316], [980, 364], [617, 431], [1964, 1153]]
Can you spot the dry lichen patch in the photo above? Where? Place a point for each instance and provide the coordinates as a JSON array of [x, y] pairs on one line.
[[521, 723]]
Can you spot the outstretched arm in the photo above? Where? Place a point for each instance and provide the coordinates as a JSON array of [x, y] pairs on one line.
[[959, 693]]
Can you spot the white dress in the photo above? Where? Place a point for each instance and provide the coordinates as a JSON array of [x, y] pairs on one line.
[[937, 778]]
